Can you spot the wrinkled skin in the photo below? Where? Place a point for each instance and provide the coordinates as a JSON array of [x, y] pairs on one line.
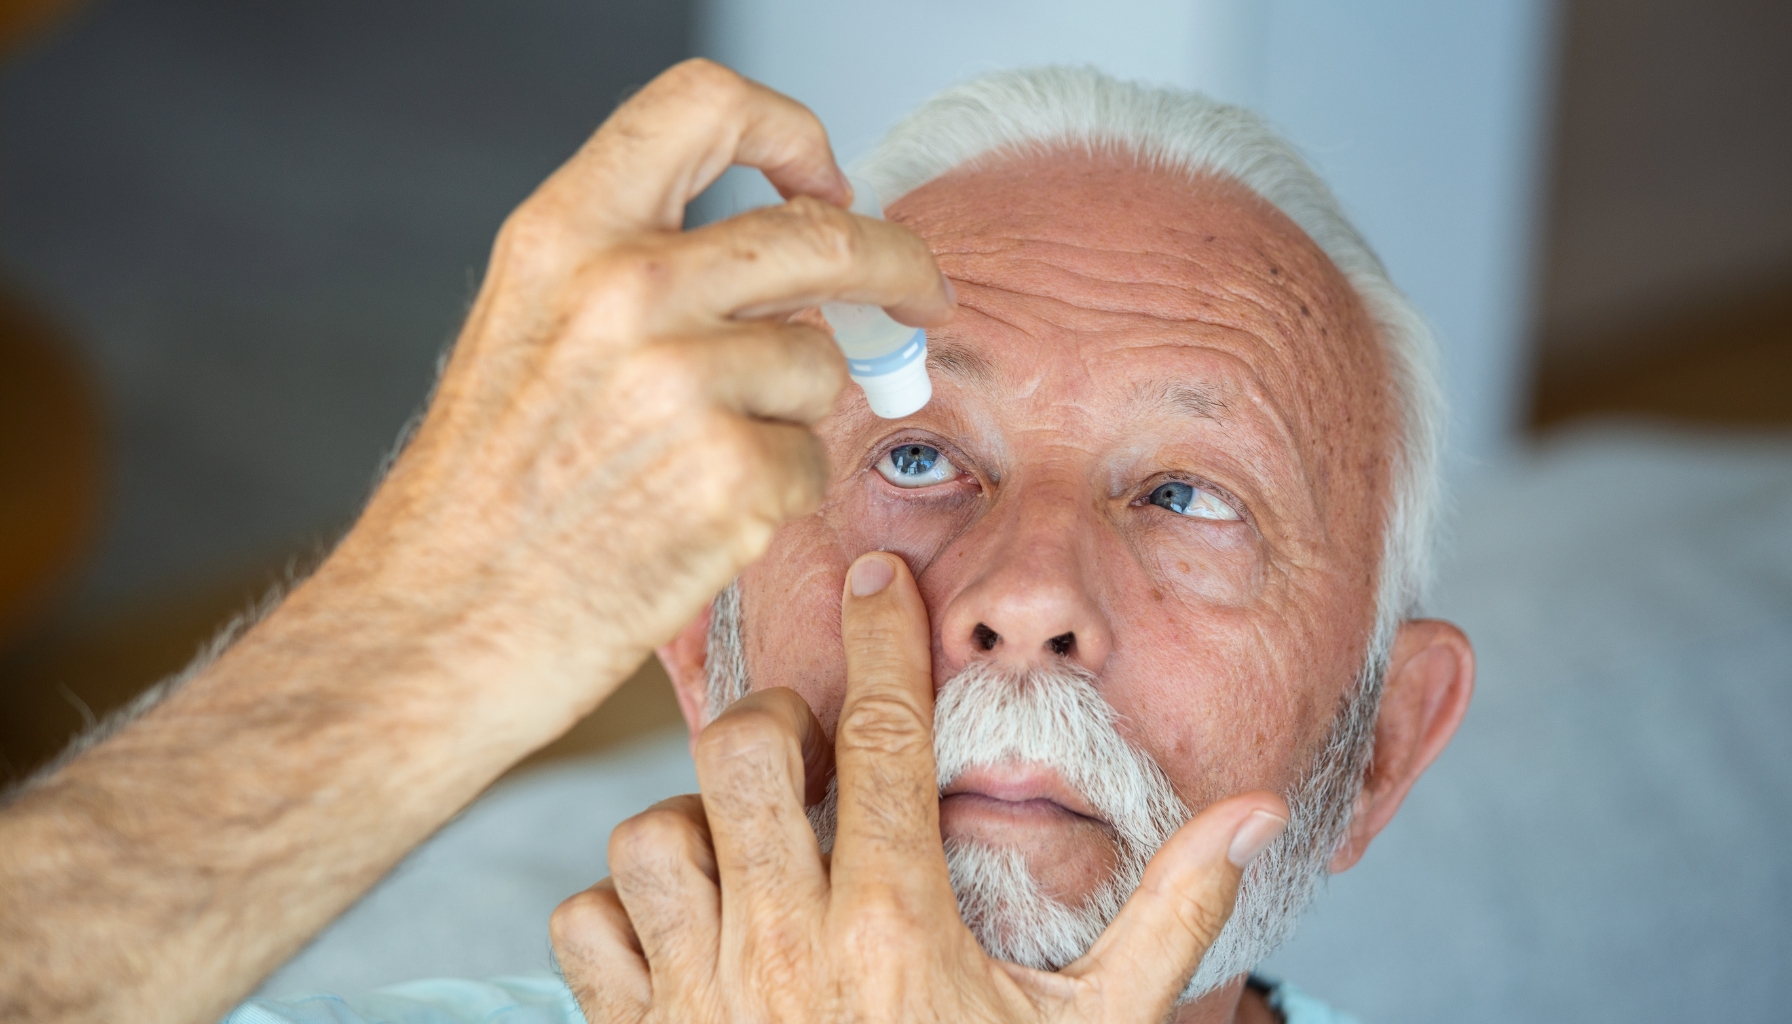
[[1117, 328]]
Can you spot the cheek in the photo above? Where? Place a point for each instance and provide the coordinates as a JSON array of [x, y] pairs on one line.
[[918, 524], [790, 611], [1202, 693], [1192, 565]]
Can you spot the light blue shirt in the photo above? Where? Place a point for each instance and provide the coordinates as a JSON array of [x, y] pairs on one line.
[[545, 999]]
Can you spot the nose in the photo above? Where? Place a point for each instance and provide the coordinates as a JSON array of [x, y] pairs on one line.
[[1028, 601]]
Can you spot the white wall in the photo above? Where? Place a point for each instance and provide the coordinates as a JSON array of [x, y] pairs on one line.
[[1424, 116]]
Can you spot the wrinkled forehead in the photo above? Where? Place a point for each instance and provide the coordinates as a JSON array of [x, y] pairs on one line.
[[1069, 258]]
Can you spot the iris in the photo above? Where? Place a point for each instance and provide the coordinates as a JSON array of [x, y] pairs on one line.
[[914, 459], [916, 465]]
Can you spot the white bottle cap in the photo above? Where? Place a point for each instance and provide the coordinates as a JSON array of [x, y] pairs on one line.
[[900, 393]]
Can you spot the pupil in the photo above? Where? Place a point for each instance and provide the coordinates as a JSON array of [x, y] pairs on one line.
[[1174, 497], [914, 459]]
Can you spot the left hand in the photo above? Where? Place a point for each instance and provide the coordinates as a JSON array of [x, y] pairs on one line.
[[722, 907]]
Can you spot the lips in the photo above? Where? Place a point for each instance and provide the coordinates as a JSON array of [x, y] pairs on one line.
[[1019, 789]]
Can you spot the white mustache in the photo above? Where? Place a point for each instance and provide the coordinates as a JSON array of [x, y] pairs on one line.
[[1053, 717]]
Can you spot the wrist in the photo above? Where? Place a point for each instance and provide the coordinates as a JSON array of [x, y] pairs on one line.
[[476, 658]]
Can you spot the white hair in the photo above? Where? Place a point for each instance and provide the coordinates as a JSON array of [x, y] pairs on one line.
[[1039, 110]]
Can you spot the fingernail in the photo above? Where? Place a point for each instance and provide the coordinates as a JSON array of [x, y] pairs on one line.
[[951, 292], [871, 576], [1257, 832]]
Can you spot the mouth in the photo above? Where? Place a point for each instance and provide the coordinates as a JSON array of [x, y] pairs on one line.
[[1018, 793]]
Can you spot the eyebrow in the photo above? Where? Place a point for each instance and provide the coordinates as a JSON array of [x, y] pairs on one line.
[[965, 365], [1201, 400]]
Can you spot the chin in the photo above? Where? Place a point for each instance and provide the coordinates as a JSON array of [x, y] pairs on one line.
[[1068, 856], [1015, 915]]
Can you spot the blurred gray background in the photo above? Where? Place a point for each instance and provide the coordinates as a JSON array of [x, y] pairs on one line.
[[262, 224], [234, 240]]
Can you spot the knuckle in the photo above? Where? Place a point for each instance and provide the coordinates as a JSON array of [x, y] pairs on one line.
[[667, 376], [883, 723], [730, 451], [705, 80], [533, 237], [577, 916], [647, 839], [824, 229], [790, 479], [710, 468], [754, 539], [618, 287], [742, 734], [881, 921], [742, 447]]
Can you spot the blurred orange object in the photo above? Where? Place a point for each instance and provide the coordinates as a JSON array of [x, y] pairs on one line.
[[50, 464], [20, 19]]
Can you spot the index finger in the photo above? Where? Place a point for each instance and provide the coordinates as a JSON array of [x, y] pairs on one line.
[[888, 831], [676, 136]]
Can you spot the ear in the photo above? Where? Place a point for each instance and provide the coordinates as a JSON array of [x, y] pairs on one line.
[[686, 657], [1431, 673]]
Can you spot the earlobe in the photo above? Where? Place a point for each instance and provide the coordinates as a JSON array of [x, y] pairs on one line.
[[1431, 674], [686, 659]]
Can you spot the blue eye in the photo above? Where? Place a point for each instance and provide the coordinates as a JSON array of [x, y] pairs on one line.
[[1189, 500], [916, 465]]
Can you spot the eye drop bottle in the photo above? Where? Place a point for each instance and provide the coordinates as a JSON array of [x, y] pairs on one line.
[[887, 360]]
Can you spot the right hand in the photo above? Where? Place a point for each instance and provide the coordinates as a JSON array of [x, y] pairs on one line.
[[624, 419]]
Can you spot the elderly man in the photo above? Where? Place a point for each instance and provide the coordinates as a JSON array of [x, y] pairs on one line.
[[1167, 512], [1153, 549]]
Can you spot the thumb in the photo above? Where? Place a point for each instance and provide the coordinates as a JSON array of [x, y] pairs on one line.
[[1141, 964]]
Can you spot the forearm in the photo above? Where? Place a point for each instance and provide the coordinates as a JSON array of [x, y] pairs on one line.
[[161, 874]]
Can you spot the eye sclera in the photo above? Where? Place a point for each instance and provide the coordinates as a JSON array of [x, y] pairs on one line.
[[939, 468], [1201, 495]]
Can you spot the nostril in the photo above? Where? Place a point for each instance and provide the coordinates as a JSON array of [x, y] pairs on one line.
[[985, 637], [1063, 643]]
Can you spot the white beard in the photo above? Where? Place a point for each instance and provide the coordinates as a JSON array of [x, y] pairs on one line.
[[1055, 717]]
